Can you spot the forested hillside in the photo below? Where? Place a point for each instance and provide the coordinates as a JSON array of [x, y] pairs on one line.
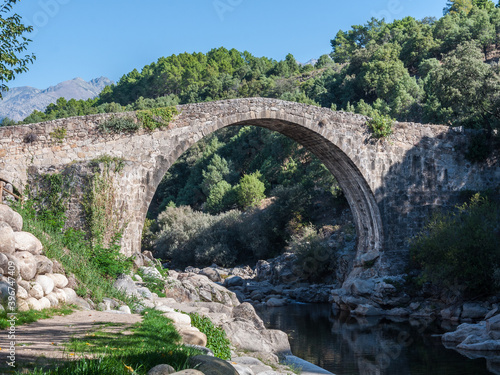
[[442, 71]]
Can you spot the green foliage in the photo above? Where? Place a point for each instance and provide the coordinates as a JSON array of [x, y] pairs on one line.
[[153, 283], [216, 337], [156, 118], [119, 125], [250, 190], [461, 249], [381, 126], [479, 148], [315, 259], [155, 341], [58, 134], [14, 42], [72, 250]]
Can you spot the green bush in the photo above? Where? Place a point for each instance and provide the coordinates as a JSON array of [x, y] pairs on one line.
[[479, 148], [381, 125], [461, 248], [250, 190], [216, 337], [119, 125]]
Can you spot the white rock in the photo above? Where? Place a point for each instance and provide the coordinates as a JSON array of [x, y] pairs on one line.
[[22, 305], [46, 282], [11, 217], [27, 265], [36, 290], [7, 239], [60, 281], [163, 308], [138, 278], [71, 295], [125, 309], [242, 370], [61, 295], [21, 292], [43, 265], [178, 318], [27, 242], [33, 304], [44, 303], [52, 297]]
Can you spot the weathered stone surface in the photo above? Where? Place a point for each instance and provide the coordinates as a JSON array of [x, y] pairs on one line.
[[472, 310], [246, 312], [46, 283], [43, 265], [11, 217], [178, 318], [192, 336], [125, 309], [211, 273], [21, 292], [36, 290], [25, 241], [8, 265], [211, 365], [27, 265], [7, 239], [52, 297], [161, 370], [44, 303], [60, 295], [71, 295], [33, 304], [465, 330], [60, 281], [189, 371]]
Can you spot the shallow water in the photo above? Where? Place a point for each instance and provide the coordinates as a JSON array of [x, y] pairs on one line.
[[350, 346]]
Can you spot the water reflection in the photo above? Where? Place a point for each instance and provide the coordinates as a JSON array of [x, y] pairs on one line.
[[346, 345]]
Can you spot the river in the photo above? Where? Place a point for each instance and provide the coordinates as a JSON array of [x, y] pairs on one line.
[[367, 346]]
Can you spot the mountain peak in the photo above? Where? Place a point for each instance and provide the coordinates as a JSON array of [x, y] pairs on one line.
[[20, 102]]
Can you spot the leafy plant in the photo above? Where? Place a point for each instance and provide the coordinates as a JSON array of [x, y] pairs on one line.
[[381, 125], [156, 118], [58, 134], [461, 248], [119, 124], [216, 337], [153, 283]]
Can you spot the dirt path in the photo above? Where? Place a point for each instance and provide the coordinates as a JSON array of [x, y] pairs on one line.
[[41, 342]]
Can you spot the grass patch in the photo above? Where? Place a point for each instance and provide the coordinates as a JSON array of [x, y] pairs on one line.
[[74, 252], [216, 337], [155, 341], [25, 317]]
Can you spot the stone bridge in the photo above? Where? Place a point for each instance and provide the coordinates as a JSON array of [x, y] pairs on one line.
[[391, 185]]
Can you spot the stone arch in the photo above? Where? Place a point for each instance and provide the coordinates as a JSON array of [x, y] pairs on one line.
[[312, 133]]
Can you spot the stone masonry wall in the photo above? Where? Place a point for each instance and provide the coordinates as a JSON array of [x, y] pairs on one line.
[[391, 185]]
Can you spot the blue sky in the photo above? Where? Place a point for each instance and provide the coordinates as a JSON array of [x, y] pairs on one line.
[[93, 38]]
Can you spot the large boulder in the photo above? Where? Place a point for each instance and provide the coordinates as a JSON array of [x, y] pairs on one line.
[[8, 266], [211, 273], [34, 304], [246, 312], [465, 330], [192, 336], [36, 290], [161, 370], [474, 310], [27, 265], [126, 284], [212, 365], [60, 281], [46, 283], [11, 217], [7, 239], [71, 295], [27, 242]]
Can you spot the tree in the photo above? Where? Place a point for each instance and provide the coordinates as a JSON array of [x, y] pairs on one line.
[[250, 190], [12, 44], [458, 6]]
